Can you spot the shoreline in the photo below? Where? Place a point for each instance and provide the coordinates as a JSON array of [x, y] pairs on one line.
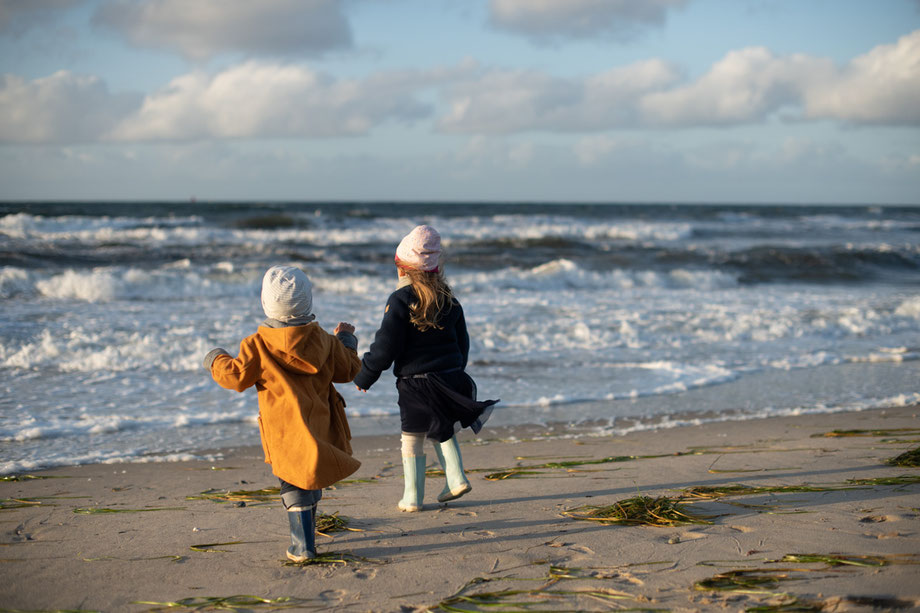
[[107, 536]]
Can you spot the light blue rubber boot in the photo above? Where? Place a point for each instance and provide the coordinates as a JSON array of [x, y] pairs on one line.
[[303, 529], [452, 463], [414, 478]]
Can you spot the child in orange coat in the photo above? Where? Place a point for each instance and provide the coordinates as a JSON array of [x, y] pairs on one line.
[[293, 363]]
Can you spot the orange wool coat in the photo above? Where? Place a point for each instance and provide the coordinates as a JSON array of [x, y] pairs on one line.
[[305, 434]]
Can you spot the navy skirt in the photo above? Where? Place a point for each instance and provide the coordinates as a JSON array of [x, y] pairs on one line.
[[440, 404]]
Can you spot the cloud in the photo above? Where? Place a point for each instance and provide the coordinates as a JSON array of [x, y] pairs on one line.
[[511, 101], [61, 108], [202, 29], [879, 87], [18, 15], [545, 21], [746, 86], [259, 100]]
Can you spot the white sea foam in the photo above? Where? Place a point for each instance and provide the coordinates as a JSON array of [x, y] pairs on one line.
[[103, 361]]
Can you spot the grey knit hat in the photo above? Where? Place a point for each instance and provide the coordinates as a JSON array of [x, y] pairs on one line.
[[287, 294]]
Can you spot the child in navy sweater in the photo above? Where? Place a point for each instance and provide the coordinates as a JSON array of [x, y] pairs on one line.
[[423, 335]]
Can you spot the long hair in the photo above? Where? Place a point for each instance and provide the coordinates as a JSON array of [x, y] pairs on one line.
[[434, 297]]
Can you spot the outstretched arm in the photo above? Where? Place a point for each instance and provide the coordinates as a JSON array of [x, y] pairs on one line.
[[237, 373], [388, 343]]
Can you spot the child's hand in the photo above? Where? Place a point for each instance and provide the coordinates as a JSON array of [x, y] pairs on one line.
[[361, 389], [344, 327]]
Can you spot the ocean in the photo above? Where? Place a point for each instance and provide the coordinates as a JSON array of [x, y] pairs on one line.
[[609, 318]]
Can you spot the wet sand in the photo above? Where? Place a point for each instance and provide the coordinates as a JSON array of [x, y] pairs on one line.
[[136, 537]]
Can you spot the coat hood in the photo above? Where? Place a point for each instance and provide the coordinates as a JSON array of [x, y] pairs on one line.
[[298, 349]]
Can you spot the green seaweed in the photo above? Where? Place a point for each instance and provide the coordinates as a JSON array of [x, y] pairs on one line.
[[640, 510], [747, 581], [849, 433], [211, 547], [509, 600], [710, 492], [9, 478], [333, 522], [899, 480], [226, 603], [532, 470], [788, 604], [17, 503], [909, 458], [4, 610], [252, 497], [835, 559], [511, 474], [105, 511]]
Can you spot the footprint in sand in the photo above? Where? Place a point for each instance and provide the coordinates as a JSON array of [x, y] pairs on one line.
[[365, 573], [332, 596]]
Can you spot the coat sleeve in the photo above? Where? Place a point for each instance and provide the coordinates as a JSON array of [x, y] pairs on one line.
[[388, 344], [237, 373], [463, 337], [346, 362]]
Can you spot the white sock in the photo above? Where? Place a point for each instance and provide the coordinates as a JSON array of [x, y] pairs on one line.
[[413, 444]]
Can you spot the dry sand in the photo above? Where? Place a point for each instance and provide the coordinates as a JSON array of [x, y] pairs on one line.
[[505, 536]]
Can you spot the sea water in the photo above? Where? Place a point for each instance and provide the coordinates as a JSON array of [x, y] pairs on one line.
[[611, 317]]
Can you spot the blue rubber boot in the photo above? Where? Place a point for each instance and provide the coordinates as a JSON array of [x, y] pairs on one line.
[[451, 461], [414, 478], [303, 529]]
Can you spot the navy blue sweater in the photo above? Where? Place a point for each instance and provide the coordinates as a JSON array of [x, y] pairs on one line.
[[411, 351]]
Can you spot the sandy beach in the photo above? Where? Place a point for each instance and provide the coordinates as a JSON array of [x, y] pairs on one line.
[[187, 536]]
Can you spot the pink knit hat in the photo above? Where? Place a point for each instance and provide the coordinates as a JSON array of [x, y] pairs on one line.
[[420, 249]]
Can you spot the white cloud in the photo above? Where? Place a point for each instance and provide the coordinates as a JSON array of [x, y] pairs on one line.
[[61, 108], [745, 86], [548, 20], [257, 100], [879, 87], [510, 101], [275, 100], [201, 29]]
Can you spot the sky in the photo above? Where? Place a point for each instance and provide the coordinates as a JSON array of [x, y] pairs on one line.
[[645, 101]]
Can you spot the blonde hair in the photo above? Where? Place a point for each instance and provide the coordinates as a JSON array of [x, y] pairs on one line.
[[434, 297]]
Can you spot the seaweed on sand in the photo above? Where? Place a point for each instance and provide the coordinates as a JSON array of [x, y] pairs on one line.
[[787, 603], [749, 581], [260, 496], [107, 511], [640, 510], [227, 603], [908, 458], [848, 433], [333, 522], [508, 601], [8, 478], [898, 480], [18, 503], [835, 559], [711, 492], [500, 474]]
